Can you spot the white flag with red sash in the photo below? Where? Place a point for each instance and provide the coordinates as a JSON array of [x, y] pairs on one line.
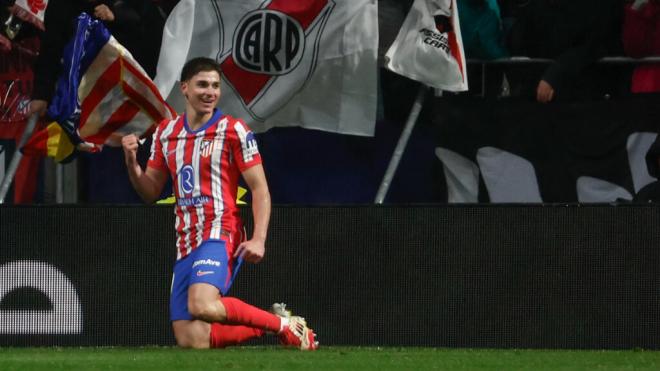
[[31, 11], [285, 63], [429, 47]]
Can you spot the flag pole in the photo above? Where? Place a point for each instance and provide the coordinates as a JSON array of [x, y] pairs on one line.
[[18, 155], [401, 145]]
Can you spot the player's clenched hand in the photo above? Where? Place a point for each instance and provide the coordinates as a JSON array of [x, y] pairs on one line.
[[130, 145], [251, 251]]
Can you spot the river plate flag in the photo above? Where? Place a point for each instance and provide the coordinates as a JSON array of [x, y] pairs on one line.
[[429, 47], [285, 63]]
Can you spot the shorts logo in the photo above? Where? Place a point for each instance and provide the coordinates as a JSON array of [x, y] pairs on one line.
[[213, 263], [203, 273]]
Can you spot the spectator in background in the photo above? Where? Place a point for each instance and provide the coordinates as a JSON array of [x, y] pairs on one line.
[[575, 34], [19, 47], [137, 25], [481, 29], [14, 28], [483, 39], [124, 19], [59, 24], [641, 38]]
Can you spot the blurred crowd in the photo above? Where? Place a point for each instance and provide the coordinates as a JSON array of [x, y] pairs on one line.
[[548, 50], [574, 34], [563, 38]]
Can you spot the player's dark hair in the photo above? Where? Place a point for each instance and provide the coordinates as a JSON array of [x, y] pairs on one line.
[[197, 65]]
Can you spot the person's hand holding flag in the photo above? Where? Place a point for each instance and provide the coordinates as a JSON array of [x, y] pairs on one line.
[[102, 95]]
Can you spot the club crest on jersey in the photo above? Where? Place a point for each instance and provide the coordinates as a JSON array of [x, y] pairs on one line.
[[273, 54], [186, 180], [206, 147]]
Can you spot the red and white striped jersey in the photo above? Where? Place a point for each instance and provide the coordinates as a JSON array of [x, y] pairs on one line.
[[205, 166]]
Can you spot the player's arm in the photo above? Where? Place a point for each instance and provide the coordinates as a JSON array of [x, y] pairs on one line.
[[253, 249], [148, 183]]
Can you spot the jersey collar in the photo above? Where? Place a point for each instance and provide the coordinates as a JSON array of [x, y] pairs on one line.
[[216, 115]]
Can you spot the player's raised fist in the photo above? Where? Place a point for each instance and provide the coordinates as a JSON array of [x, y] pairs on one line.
[[130, 145]]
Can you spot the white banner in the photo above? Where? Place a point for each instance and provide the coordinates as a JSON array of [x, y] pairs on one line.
[[285, 63], [31, 11], [429, 47]]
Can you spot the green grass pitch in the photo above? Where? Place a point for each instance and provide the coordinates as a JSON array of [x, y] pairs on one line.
[[328, 358]]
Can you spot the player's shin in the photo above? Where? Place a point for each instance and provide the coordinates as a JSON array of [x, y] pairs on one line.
[[241, 313], [224, 335]]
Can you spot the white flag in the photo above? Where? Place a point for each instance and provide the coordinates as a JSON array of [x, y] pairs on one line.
[[429, 47], [31, 11], [285, 63]]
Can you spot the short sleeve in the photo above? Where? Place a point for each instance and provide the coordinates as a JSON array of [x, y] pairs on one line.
[[244, 149], [156, 158]]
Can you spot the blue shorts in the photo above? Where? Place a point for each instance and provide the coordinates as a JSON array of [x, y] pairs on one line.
[[209, 263]]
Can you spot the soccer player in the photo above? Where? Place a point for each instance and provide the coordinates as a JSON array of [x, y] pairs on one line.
[[205, 152]]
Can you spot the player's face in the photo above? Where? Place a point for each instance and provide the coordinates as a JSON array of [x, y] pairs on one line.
[[202, 91]]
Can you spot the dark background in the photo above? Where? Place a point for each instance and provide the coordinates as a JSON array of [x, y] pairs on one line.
[[551, 276]]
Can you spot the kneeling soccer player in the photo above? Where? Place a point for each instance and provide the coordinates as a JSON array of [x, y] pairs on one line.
[[205, 152]]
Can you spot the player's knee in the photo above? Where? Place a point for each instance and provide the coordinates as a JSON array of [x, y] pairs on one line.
[[206, 311], [192, 334], [193, 342], [199, 310]]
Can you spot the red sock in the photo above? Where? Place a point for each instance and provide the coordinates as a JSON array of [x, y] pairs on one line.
[[241, 313], [223, 335]]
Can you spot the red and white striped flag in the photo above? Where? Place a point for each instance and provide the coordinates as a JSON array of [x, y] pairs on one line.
[[104, 93], [117, 98]]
